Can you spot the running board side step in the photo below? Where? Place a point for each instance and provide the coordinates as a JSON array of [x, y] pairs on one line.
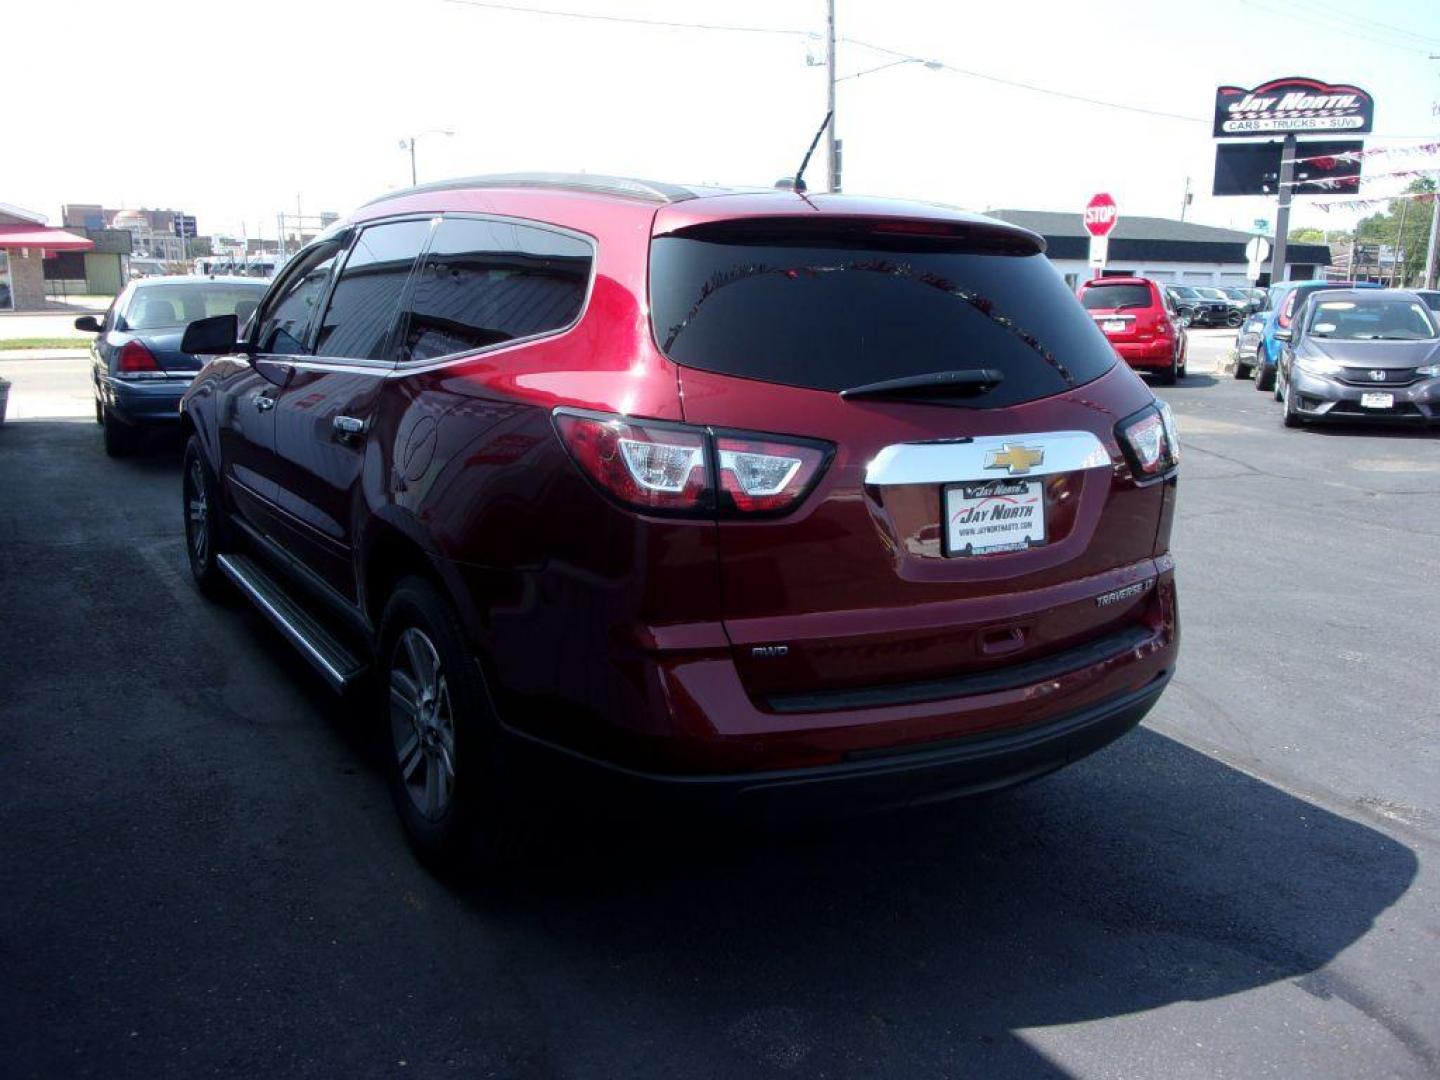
[[335, 661]]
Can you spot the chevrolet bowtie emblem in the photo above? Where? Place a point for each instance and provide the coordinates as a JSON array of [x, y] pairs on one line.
[[1017, 459]]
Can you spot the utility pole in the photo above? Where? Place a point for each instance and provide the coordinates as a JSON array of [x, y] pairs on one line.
[[1282, 217], [413, 180], [832, 178], [1430, 267], [1399, 257], [1185, 202], [1430, 249]]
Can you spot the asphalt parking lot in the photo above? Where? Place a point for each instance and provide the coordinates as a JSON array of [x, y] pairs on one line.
[[202, 873]]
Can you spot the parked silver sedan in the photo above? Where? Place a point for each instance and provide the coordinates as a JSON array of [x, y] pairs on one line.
[[1361, 355]]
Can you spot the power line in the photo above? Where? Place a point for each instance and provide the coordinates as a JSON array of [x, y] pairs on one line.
[[1068, 95], [630, 20], [1307, 13], [1376, 22], [495, 5]]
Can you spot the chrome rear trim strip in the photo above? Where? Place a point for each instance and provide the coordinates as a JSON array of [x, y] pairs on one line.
[[987, 457]]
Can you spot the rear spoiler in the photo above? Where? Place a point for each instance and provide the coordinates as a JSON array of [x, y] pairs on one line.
[[880, 233]]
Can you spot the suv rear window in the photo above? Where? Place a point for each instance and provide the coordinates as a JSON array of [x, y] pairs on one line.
[[1109, 297], [850, 307]]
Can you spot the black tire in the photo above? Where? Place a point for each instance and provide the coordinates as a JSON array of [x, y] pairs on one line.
[[1264, 377], [1234, 319], [99, 412], [1170, 373], [120, 437], [207, 528], [1242, 369], [450, 738], [1291, 418]]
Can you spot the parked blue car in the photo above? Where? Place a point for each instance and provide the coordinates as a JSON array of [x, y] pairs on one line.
[[1256, 347], [137, 367]]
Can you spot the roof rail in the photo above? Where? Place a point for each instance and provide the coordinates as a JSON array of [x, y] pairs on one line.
[[649, 190]]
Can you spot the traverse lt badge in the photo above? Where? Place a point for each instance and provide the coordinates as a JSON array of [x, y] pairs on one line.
[[1017, 459]]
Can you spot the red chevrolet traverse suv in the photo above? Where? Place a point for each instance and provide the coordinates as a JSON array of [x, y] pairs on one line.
[[736, 494], [1140, 321]]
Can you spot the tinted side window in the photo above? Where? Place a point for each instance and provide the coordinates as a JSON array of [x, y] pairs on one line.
[[288, 312], [366, 300], [488, 282]]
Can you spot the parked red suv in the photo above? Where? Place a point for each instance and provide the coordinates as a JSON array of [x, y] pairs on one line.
[[1139, 318], [732, 493]]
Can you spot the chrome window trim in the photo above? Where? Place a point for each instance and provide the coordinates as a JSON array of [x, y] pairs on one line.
[[414, 367], [317, 323], [944, 462]]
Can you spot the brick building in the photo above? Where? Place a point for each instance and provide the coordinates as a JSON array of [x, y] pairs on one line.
[[25, 242]]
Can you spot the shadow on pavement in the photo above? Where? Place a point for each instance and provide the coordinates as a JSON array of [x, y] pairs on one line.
[[1149, 875], [204, 875], [1390, 431], [1193, 381]]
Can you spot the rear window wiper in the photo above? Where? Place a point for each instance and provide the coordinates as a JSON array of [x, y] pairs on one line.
[[937, 384]]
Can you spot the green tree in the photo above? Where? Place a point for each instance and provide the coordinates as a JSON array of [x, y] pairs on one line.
[[1404, 226]]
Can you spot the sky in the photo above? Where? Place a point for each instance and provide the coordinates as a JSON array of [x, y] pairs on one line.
[[236, 111]]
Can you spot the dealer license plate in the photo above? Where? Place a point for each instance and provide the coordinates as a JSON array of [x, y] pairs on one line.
[[990, 516], [1113, 326], [1377, 401]]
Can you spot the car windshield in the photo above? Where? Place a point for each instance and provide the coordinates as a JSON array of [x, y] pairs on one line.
[[156, 307], [1211, 294], [1185, 291], [1432, 300], [1372, 320], [1114, 297]]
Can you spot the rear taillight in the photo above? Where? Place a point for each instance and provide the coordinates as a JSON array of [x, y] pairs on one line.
[[759, 475], [1149, 441], [135, 358], [646, 465], [691, 471]]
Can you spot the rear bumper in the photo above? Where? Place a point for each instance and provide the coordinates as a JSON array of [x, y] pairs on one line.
[[153, 401], [871, 780], [683, 720], [1146, 354], [1321, 398]]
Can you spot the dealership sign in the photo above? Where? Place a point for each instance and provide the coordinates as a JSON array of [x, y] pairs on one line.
[[1292, 106]]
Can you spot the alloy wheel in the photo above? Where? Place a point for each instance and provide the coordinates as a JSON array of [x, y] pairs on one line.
[[422, 724], [197, 512]]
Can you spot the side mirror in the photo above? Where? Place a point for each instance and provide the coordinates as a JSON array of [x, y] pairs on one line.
[[1285, 334], [1184, 321], [88, 323], [212, 337]]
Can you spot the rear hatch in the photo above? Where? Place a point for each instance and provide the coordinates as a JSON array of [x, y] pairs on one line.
[[954, 530], [1124, 311]]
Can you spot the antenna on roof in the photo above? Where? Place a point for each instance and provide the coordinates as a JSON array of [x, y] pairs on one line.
[[798, 184]]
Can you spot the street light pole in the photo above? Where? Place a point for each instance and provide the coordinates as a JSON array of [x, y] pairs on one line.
[[409, 144], [831, 179]]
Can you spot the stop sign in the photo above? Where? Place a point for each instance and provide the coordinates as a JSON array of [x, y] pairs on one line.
[[1101, 215]]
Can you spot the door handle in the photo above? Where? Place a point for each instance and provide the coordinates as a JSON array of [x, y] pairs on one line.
[[263, 402], [347, 427]]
